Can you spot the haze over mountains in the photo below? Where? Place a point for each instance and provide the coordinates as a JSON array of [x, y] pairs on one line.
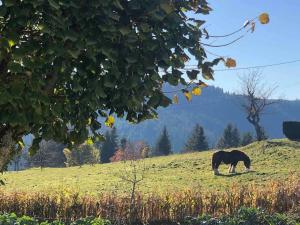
[[213, 110]]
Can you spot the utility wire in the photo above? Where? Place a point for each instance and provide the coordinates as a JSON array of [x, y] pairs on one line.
[[246, 68]]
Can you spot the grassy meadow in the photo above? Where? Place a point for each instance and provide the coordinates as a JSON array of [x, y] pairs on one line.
[[271, 160]]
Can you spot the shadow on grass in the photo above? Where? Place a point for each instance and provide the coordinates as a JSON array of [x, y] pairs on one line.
[[234, 174]]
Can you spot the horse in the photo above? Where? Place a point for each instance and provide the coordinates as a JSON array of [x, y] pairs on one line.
[[231, 158]]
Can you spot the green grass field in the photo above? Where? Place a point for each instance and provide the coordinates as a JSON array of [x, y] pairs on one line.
[[272, 160]]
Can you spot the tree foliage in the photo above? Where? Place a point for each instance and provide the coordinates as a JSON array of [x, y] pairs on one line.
[[197, 141], [132, 151], [50, 154], [230, 137], [65, 63], [109, 146], [163, 145], [246, 139], [83, 154]]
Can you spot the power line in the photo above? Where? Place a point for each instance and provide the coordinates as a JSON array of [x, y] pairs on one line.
[[249, 67]]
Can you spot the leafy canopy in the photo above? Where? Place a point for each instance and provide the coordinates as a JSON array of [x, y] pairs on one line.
[[65, 63]]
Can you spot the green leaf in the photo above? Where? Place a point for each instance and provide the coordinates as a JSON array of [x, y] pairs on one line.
[[125, 30], [9, 3], [167, 7], [118, 4], [193, 74], [54, 4]]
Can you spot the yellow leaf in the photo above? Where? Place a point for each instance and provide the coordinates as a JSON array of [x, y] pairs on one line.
[[264, 18], [11, 43], [175, 99], [110, 121], [89, 121], [21, 144], [89, 141], [230, 63], [197, 91], [188, 95]]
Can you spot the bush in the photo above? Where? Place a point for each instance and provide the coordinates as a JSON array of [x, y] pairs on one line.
[[291, 130], [245, 216], [12, 219]]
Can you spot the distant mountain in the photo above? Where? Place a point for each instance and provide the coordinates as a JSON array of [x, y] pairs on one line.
[[213, 110]]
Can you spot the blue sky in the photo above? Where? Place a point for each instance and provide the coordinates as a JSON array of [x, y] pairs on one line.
[[275, 42]]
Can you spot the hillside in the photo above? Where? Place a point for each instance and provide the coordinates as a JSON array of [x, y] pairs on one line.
[[271, 160], [214, 109]]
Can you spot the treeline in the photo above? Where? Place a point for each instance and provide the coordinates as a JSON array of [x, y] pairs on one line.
[[114, 148]]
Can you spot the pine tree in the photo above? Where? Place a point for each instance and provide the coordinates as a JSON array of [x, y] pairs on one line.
[[230, 138], [247, 138], [163, 145], [109, 146], [123, 143], [197, 141]]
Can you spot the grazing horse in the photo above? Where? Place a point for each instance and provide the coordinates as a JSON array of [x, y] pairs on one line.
[[231, 158]]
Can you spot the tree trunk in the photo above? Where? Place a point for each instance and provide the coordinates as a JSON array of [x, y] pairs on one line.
[[6, 146]]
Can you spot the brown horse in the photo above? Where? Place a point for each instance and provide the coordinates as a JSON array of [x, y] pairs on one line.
[[231, 158]]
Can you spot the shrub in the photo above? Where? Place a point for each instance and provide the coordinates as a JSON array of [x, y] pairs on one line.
[[244, 216], [291, 130]]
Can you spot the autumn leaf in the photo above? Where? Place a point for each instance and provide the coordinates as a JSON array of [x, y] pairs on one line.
[[110, 121], [175, 99], [188, 95], [230, 63], [201, 84], [264, 18], [11, 43], [21, 144], [89, 141], [89, 121], [197, 91]]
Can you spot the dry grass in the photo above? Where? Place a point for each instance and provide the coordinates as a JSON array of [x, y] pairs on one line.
[[68, 206]]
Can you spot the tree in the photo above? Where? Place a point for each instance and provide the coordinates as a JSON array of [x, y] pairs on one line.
[[83, 154], [65, 63], [163, 145], [132, 151], [109, 146], [50, 154], [247, 139], [123, 143], [197, 141], [256, 99], [230, 137]]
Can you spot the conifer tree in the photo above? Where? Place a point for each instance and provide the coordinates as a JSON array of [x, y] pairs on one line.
[[230, 137], [197, 140], [163, 145], [247, 138], [109, 146]]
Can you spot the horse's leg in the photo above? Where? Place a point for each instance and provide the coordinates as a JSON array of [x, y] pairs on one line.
[[230, 168], [216, 168], [233, 167]]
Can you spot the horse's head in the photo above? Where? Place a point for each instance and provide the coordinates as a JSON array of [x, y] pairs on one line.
[[247, 163]]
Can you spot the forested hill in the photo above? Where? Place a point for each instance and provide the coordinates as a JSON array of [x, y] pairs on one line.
[[214, 109]]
